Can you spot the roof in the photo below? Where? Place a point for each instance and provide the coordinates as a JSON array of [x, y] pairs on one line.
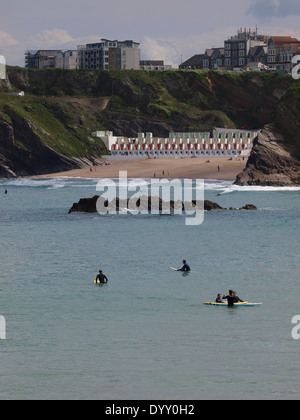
[[294, 47], [214, 52], [257, 51], [281, 40], [196, 60]]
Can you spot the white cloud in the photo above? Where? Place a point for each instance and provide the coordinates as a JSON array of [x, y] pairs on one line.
[[48, 38], [7, 40], [175, 50]]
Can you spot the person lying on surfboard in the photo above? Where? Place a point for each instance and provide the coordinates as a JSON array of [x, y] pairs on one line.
[[185, 267], [101, 278]]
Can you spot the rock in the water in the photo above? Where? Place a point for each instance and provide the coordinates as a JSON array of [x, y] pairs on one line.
[[210, 205], [248, 207], [272, 162]]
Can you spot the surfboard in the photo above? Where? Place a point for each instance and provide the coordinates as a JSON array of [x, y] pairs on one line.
[[99, 284], [176, 269], [242, 304]]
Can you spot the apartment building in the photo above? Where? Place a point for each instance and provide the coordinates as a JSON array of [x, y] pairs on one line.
[[109, 55], [239, 51], [51, 59], [67, 60], [281, 50], [238, 47]]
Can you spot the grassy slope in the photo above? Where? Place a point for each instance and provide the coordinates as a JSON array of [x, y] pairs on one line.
[[67, 106]]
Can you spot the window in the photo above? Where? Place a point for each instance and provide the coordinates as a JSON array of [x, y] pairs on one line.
[[227, 53], [227, 46], [241, 46], [241, 62], [241, 53], [227, 62]]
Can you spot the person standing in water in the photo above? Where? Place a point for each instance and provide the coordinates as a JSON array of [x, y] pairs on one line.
[[101, 278], [232, 298], [185, 267]]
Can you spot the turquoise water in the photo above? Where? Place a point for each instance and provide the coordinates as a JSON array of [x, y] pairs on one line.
[[147, 335]]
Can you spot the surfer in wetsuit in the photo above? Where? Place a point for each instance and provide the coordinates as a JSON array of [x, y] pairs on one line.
[[101, 278], [232, 298], [219, 299], [185, 267], [236, 298]]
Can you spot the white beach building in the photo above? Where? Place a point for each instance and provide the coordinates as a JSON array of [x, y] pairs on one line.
[[221, 142]]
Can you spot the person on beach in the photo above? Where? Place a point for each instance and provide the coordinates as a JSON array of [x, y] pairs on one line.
[[101, 278], [185, 267]]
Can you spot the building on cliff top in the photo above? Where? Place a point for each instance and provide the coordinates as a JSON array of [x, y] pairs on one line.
[[109, 55], [51, 59], [247, 48]]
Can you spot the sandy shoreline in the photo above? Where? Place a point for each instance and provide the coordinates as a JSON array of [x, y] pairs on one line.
[[199, 168]]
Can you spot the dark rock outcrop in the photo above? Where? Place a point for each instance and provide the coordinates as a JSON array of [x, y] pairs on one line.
[[89, 205], [273, 162]]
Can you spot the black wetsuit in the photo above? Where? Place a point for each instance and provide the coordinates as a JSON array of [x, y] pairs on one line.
[[102, 278], [186, 267], [232, 300]]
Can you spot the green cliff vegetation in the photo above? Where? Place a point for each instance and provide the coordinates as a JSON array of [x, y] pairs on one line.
[[61, 108]]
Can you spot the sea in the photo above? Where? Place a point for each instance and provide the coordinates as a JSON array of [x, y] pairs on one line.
[[147, 335]]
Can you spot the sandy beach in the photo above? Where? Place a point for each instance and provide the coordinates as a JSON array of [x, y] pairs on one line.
[[199, 168]]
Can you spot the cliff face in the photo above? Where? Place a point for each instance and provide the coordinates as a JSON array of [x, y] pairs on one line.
[[272, 162], [275, 158], [49, 129]]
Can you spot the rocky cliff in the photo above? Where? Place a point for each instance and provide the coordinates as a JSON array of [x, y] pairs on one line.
[[273, 161], [49, 129]]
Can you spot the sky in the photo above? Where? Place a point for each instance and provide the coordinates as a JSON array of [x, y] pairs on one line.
[[169, 30]]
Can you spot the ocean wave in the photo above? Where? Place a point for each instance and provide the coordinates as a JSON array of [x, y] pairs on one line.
[[237, 188], [221, 187], [51, 183]]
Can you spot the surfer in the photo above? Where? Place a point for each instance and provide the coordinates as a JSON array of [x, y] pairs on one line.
[[101, 278], [236, 298], [185, 267], [232, 298], [219, 299]]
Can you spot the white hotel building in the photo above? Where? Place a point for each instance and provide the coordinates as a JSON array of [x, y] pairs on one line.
[[222, 142]]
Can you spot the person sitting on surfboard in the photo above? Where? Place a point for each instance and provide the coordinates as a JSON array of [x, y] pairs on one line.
[[101, 278], [185, 267], [219, 299]]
